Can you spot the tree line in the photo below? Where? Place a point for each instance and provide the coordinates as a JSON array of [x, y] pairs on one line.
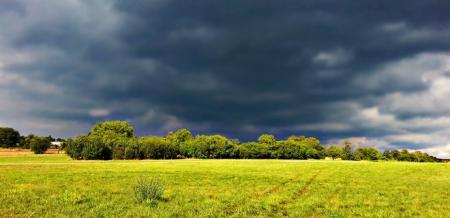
[[117, 140], [11, 138]]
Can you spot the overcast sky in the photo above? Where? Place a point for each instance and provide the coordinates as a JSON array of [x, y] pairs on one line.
[[377, 72]]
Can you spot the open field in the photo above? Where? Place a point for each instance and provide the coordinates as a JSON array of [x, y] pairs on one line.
[[55, 186], [8, 152]]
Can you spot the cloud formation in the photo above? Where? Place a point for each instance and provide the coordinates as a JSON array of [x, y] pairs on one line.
[[377, 71]]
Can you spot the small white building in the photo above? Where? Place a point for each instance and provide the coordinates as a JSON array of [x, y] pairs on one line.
[[56, 144]]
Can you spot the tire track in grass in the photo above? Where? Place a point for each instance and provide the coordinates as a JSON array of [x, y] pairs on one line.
[[275, 188], [328, 202], [297, 194], [230, 211]]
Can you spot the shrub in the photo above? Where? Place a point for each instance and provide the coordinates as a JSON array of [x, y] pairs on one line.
[[39, 145], [148, 191]]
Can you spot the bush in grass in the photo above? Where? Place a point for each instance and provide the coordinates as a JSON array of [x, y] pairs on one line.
[[148, 191], [39, 145]]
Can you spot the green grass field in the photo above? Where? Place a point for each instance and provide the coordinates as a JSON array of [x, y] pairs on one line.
[[55, 186]]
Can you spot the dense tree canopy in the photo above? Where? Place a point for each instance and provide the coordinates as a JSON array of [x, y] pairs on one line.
[[116, 140], [26, 140], [267, 139], [335, 152], [113, 128], [180, 136], [39, 145], [9, 137]]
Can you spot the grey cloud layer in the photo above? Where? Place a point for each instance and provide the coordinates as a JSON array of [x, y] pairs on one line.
[[331, 69]]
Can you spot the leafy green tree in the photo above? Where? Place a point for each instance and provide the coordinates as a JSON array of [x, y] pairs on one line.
[[296, 138], [39, 145], [203, 146], [133, 151], [395, 154], [310, 142], [103, 140], [73, 147], [95, 149], [122, 147], [388, 154], [116, 139], [347, 150], [180, 136], [25, 141], [89, 147], [404, 155], [154, 147], [335, 152], [113, 128], [267, 139], [312, 153], [9, 137], [367, 153], [253, 150], [290, 149]]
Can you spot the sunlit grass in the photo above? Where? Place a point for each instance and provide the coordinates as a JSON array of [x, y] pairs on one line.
[[54, 185]]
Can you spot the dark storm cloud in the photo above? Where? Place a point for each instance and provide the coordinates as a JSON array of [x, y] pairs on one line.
[[325, 68], [268, 49]]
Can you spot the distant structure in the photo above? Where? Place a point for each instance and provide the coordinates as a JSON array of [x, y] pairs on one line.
[[57, 144], [444, 160]]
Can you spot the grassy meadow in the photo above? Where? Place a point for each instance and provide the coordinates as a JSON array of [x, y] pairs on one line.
[[56, 186]]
